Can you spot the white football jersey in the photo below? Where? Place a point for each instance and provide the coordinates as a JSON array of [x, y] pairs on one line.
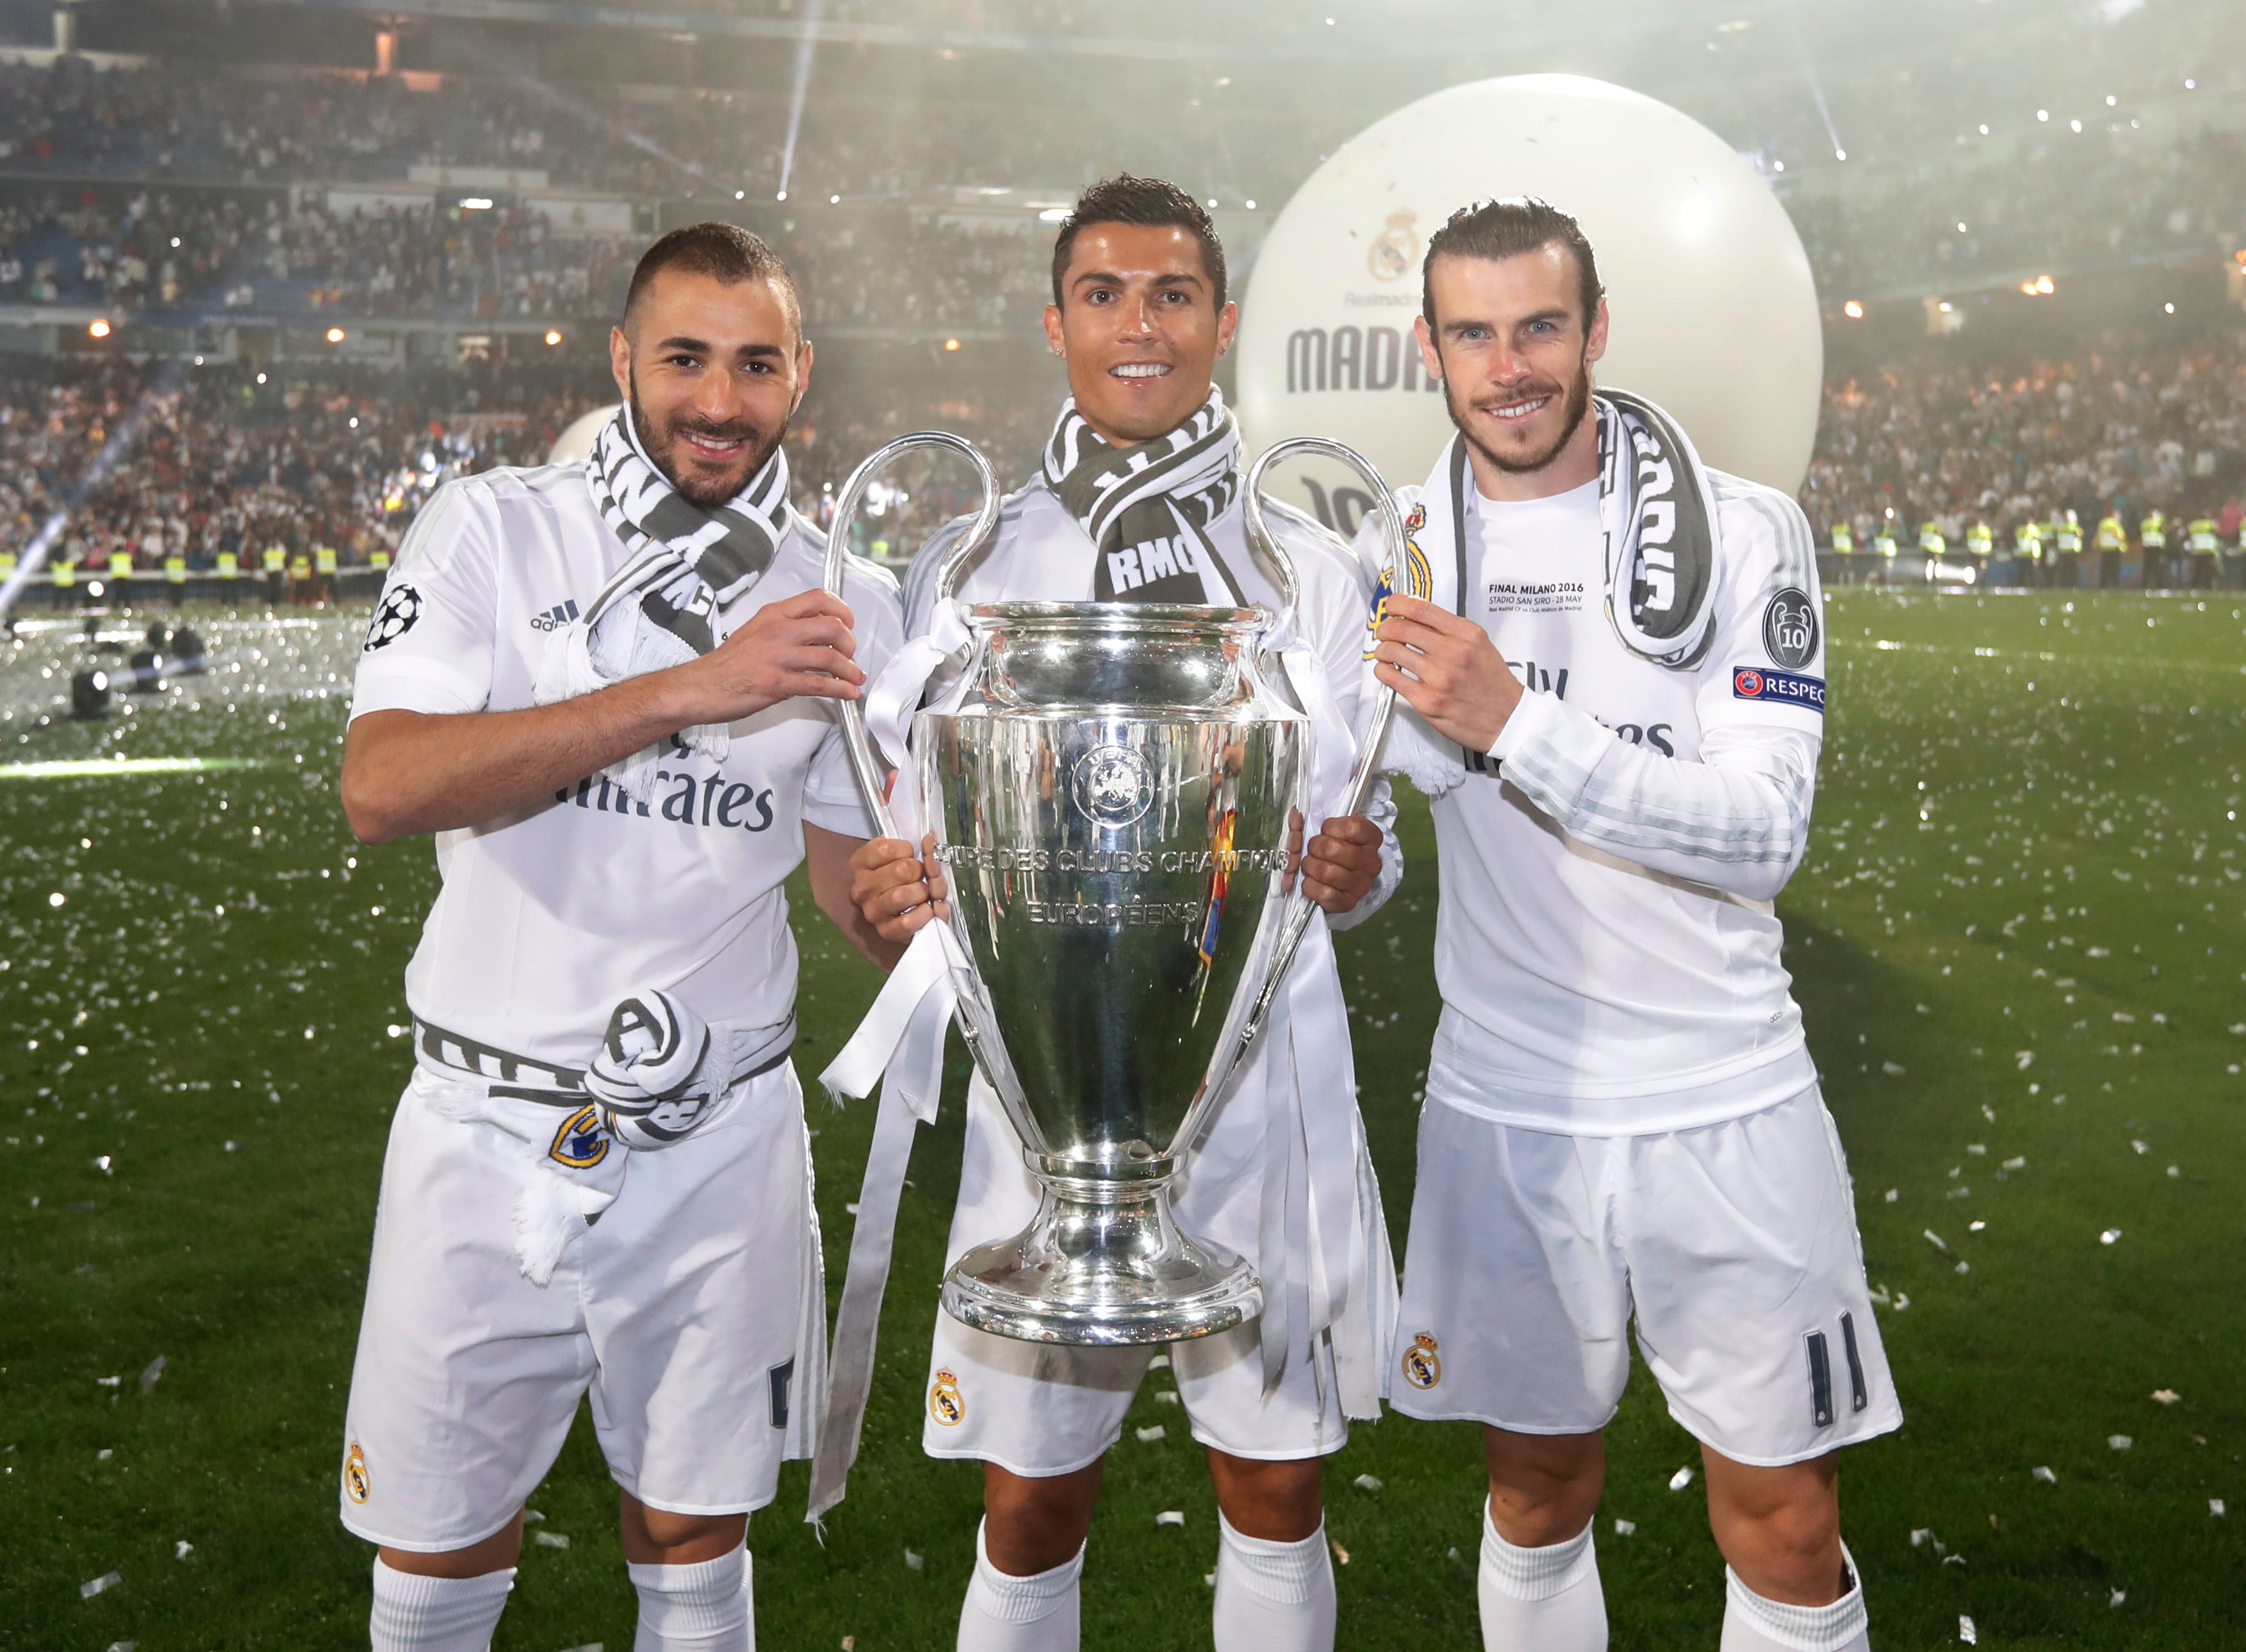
[[545, 920], [1605, 946]]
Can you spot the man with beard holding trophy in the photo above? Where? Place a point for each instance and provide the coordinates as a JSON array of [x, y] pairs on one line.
[[608, 689], [1139, 502], [1615, 661]]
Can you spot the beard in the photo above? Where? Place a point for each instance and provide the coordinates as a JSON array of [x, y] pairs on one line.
[[698, 488], [1574, 403]]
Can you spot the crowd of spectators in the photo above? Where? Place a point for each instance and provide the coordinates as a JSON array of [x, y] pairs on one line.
[[158, 460], [208, 252], [2063, 202], [2158, 430], [155, 458], [2049, 200]]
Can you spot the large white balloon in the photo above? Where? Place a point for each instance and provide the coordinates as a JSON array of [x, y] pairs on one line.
[[1714, 313], [576, 441]]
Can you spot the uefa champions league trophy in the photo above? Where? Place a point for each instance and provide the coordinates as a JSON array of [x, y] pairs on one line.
[[1115, 792]]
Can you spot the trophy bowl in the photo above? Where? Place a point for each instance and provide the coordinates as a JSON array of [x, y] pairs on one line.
[[1111, 787]]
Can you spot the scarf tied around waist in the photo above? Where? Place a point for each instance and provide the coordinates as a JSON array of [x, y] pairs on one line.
[[660, 1074]]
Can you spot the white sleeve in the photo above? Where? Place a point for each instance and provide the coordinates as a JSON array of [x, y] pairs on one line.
[[1737, 817], [429, 646]]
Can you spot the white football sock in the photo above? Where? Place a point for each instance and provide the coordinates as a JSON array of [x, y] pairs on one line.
[[1040, 1613], [1273, 1596], [1544, 1599], [417, 1613], [1752, 1624], [702, 1608]]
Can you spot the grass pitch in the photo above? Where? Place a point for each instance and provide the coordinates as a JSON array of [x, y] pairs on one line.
[[2017, 938]]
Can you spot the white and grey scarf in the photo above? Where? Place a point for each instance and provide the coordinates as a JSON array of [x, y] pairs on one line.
[[661, 609], [1657, 521], [1147, 508]]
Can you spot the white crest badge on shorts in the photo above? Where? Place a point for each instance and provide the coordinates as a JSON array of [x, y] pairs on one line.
[[1423, 1361], [355, 1484], [944, 1402]]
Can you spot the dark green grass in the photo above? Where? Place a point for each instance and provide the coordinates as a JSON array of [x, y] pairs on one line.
[[2015, 850]]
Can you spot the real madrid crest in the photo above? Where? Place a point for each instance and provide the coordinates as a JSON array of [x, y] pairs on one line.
[[1395, 252], [944, 1403], [355, 1485], [1423, 1362], [582, 1141]]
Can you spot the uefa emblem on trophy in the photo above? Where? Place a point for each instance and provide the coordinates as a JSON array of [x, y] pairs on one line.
[[1112, 789]]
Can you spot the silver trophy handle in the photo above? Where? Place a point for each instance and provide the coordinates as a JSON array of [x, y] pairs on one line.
[[863, 760], [1383, 699]]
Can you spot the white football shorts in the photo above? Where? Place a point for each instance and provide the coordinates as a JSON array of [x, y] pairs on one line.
[[1040, 1410], [681, 1311], [1732, 1245]]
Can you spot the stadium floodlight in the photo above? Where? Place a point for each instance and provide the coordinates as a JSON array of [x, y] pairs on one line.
[[1251, 205], [2191, 86], [2045, 285], [781, 196], [97, 329], [1053, 215], [175, 243], [1984, 129], [2111, 100], [833, 201], [740, 195], [354, 422], [1212, 202], [2043, 114], [2167, 309], [475, 203], [260, 378], [336, 335], [2075, 124], [1853, 310], [953, 343], [1840, 154], [1961, 226], [553, 337]]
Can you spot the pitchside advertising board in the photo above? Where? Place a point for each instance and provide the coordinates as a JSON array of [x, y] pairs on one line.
[[1714, 312]]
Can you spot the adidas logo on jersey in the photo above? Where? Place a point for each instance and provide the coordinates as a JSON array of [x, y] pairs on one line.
[[556, 617]]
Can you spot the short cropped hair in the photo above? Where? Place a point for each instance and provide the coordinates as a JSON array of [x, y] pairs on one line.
[[1507, 228], [726, 252], [1148, 201]]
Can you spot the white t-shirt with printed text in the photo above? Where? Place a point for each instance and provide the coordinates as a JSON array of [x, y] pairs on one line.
[[1613, 979]]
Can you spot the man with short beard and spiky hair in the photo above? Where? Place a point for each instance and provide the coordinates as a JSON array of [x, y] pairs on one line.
[[608, 688], [1139, 502], [1614, 659]]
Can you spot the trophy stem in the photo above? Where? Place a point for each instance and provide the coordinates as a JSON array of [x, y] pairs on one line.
[[1103, 1264]]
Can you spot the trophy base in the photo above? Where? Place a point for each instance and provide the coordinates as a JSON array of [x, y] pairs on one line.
[[1096, 1270]]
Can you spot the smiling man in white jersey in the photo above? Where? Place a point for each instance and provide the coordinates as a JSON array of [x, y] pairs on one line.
[[1139, 502], [1616, 663], [609, 688]]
